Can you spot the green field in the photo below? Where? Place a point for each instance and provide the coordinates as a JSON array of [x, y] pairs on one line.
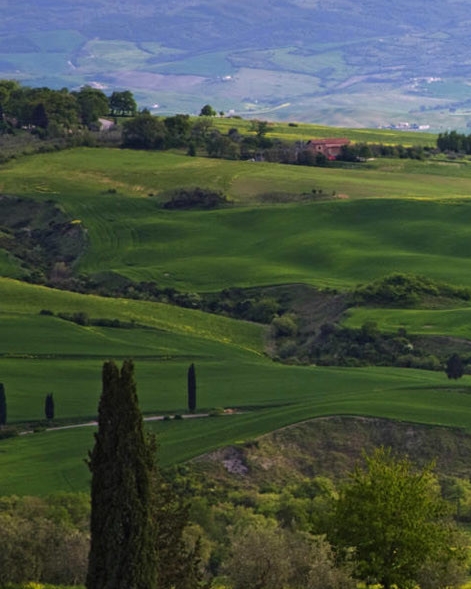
[[43, 462], [391, 216], [386, 216]]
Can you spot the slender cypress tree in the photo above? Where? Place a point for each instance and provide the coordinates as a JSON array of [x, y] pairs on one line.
[[3, 405], [123, 530], [49, 406], [191, 388]]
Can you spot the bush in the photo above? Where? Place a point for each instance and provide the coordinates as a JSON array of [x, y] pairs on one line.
[[8, 432], [195, 198], [285, 325]]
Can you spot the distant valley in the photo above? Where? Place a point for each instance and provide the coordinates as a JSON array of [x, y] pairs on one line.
[[362, 64]]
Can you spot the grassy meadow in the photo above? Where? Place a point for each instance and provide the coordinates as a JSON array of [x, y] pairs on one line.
[[43, 462], [393, 215], [385, 216]]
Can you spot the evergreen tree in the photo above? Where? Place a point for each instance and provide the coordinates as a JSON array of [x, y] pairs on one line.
[[3, 405], [191, 388], [454, 367], [49, 406], [123, 551]]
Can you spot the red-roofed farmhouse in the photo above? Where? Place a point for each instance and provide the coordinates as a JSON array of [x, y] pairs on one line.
[[331, 148]]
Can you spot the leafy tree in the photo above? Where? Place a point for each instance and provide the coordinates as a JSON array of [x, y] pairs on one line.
[[49, 406], [93, 104], [395, 520], [122, 103], [178, 130], [123, 532], [3, 405], [454, 367], [207, 111], [144, 132], [191, 388]]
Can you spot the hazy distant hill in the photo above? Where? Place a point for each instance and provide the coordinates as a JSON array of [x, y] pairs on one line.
[[338, 61]]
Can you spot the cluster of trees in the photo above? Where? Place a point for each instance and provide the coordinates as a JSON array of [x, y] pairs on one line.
[[44, 539], [357, 152], [148, 132], [335, 345], [53, 112], [406, 290], [454, 142]]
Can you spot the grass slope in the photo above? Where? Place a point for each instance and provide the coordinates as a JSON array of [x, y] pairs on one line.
[[41, 463], [397, 217], [394, 219]]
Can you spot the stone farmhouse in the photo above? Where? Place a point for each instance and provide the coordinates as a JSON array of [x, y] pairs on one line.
[[331, 148]]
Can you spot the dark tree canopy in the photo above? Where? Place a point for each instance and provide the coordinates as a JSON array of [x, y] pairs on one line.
[[123, 536], [191, 388], [93, 104], [207, 111], [454, 367], [144, 132], [3, 405], [123, 103]]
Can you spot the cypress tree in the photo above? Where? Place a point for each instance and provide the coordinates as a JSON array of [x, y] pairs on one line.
[[123, 531], [191, 388], [49, 406], [454, 367], [3, 405]]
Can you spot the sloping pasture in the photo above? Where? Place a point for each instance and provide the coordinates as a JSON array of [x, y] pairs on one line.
[[390, 217], [51, 461]]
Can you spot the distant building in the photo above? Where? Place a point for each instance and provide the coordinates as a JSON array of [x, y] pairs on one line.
[[331, 148]]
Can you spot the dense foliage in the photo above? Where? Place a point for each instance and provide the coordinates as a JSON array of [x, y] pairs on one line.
[[396, 522], [406, 290], [123, 533]]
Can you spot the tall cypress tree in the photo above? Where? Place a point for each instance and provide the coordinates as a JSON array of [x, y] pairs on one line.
[[191, 388], [123, 530], [3, 405], [49, 406]]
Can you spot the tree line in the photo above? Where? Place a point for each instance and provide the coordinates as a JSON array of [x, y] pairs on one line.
[[50, 112], [454, 142]]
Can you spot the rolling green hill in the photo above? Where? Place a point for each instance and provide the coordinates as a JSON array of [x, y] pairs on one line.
[[361, 223], [392, 215]]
